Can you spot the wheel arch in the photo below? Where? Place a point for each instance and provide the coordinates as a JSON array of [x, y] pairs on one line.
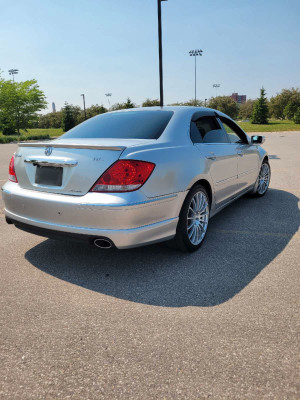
[[266, 157], [207, 187]]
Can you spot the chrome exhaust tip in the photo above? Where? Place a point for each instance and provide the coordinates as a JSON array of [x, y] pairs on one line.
[[103, 243]]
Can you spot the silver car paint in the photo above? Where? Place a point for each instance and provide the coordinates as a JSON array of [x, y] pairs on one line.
[[134, 218]]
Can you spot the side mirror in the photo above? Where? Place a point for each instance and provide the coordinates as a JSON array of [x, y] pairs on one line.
[[257, 139]]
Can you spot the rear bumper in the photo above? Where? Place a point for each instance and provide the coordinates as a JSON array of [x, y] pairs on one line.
[[126, 219]]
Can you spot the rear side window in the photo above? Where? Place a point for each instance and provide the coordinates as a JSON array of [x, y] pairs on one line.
[[207, 130], [123, 125]]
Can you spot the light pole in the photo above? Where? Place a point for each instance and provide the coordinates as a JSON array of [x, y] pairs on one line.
[[195, 53], [216, 86], [84, 105], [108, 95], [13, 72], [161, 88], [205, 102]]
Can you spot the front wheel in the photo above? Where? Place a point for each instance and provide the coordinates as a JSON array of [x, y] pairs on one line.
[[263, 180], [193, 220]]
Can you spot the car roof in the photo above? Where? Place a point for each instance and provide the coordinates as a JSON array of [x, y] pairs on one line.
[[183, 110], [175, 109]]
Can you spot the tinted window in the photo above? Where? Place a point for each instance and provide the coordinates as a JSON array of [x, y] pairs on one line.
[[233, 137], [125, 125], [234, 132], [207, 130]]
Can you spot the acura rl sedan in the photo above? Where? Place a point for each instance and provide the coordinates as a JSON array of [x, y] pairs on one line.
[[135, 177]]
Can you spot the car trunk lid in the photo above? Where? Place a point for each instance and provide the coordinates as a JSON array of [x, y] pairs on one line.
[[65, 166]]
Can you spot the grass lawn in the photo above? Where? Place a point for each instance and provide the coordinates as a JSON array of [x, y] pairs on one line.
[[52, 132], [31, 134], [36, 132], [272, 126]]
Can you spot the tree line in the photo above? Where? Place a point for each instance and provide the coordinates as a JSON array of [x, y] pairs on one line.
[[285, 105], [21, 102]]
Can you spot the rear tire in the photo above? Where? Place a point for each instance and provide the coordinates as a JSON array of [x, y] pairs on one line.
[[193, 220]]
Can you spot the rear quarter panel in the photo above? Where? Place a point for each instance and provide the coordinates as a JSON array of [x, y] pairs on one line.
[[177, 169]]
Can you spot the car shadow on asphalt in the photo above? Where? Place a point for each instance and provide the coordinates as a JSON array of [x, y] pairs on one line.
[[242, 240], [273, 157]]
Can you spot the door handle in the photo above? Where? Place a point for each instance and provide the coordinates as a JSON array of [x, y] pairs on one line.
[[240, 153], [211, 156]]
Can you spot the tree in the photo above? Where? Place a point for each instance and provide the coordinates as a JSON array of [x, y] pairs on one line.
[[246, 109], [278, 104], [129, 104], [192, 102], [292, 106], [50, 120], [224, 104], [54, 119], [297, 116], [151, 103], [260, 109], [95, 110], [91, 111], [122, 106], [19, 104], [70, 114]]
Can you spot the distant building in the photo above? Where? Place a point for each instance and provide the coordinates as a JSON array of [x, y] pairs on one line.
[[53, 107], [239, 98]]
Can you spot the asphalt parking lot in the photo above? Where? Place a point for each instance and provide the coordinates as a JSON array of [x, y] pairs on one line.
[[149, 323]]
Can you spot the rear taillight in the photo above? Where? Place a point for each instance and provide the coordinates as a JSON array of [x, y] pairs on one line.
[[11, 170], [124, 176]]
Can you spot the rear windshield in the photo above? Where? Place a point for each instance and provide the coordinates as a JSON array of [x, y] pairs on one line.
[[125, 125]]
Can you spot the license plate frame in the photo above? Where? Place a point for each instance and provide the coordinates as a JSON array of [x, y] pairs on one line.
[[48, 176]]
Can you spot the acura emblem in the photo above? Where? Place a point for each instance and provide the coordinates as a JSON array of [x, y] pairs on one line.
[[48, 150]]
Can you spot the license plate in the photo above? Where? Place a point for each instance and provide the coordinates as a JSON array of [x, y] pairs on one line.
[[50, 176]]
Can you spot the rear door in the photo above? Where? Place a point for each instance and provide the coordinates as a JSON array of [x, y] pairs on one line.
[[248, 157], [221, 158]]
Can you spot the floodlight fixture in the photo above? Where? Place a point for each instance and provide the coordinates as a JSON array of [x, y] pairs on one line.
[[216, 86], [13, 72]]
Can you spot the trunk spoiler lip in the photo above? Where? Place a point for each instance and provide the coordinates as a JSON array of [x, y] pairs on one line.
[[73, 146]]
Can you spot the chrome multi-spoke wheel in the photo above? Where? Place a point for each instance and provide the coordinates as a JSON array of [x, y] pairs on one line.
[[263, 179], [193, 220], [197, 218]]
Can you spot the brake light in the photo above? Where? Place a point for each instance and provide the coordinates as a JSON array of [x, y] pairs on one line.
[[124, 176], [11, 170]]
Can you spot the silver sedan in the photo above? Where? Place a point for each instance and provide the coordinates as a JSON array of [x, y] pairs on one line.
[[135, 177]]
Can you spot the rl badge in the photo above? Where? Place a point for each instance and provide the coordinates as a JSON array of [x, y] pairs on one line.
[[48, 150]]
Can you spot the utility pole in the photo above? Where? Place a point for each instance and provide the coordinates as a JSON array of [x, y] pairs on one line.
[[161, 88], [195, 53], [108, 95]]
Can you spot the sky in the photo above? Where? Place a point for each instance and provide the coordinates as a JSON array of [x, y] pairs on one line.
[[110, 46]]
